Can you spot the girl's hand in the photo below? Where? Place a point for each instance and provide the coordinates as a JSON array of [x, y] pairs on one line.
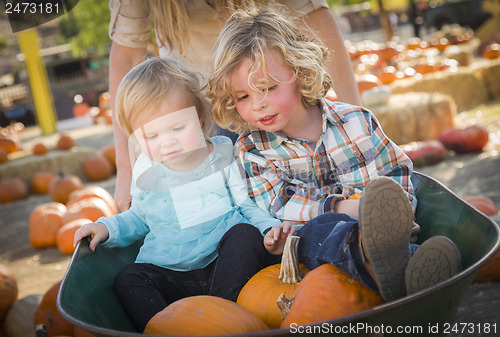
[[415, 229], [274, 241], [97, 231]]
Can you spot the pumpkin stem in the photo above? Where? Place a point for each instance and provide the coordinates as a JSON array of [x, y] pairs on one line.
[[290, 271], [285, 304]]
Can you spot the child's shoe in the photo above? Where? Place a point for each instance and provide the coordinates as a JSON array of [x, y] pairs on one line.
[[385, 222], [435, 261]]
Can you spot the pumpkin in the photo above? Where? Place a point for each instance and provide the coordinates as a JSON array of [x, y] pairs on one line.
[[260, 293], [387, 53], [204, 316], [425, 152], [93, 191], [97, 168], [81, 109], [482, 203], [109, 152], [19, 318], [387, 75], [91, 208], [47, 314], [4, 156], [62, 185], [13, 189], [65, 235], [10, 143], [65, 142], [490, 271], [8, 290], [39, 149], [326, 293], [367, 81], [470, 139], [40, 182], [44, 222], [492, 51]]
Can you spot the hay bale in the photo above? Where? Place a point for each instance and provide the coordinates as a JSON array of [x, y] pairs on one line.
[[466, 86], [416, 116], [68, 162], [490, 73]]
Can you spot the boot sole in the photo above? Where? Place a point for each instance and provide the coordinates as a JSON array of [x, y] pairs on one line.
[[435, 261], [386, 219]]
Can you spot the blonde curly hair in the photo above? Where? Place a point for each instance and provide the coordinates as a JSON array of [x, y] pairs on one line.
[[148, 84], [248, 34]]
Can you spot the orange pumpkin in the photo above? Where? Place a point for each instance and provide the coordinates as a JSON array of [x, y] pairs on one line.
[[10, 143], [65, 142], [327, 293], [65, 235], [109, 152], [8, 290], [490, 271], [91, 208], [13, 189], [470, 139], [387, 75], [260, 293], [492, 51], [47, 314], [4, 156], [482, 203], [97, 168], [93, 191], [40, 182], [44, 222], [367, 82], [204, 316], [61, 186], [39, 149]]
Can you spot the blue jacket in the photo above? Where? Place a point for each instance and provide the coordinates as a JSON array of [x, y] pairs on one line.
[[182, 215]]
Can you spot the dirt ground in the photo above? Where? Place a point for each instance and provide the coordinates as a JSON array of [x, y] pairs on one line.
[[37, 270]]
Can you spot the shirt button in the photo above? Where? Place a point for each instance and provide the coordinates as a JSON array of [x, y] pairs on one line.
[[319, 157], [357, 154]]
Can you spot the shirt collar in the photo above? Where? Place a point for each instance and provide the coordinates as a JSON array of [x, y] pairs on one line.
[[264, 140]]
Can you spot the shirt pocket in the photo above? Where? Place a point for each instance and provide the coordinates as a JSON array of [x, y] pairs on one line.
[[296, 171], [355, 161]]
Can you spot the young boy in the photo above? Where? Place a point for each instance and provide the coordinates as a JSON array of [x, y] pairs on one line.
[[202, 233], [305, 156]]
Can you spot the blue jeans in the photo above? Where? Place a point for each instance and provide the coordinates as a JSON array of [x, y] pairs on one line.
[[333, 238]]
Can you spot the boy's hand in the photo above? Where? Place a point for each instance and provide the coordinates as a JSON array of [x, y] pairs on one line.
[[415, 229], [97, 231], [274, 241]]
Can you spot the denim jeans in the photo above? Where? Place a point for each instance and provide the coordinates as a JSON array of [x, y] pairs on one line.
[[333, 238], [145, 289]]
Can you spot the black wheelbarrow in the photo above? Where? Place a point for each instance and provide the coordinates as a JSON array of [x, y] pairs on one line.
[[86, 298]]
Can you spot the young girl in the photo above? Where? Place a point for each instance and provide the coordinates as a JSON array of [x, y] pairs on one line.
[[306, 156], [202, 233]]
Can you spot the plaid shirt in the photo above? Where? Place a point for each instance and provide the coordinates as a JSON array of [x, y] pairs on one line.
[[297, 180]]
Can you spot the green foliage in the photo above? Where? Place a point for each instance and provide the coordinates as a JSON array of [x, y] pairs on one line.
[[86, 27]]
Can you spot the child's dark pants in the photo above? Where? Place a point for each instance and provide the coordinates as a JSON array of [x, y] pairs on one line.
[[145, 289]]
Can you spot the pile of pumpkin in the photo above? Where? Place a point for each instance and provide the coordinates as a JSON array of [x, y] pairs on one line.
[[22, 317], [96, 167], [54, 223], [470, 139]]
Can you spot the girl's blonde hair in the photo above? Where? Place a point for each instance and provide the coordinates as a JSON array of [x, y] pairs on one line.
[[147, 85], [248, 34], [170, 19]]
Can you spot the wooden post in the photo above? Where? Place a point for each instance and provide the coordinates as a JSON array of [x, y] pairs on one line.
[[39, 83]]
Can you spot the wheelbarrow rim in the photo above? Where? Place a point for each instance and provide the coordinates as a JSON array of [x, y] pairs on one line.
[[338, 321]]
